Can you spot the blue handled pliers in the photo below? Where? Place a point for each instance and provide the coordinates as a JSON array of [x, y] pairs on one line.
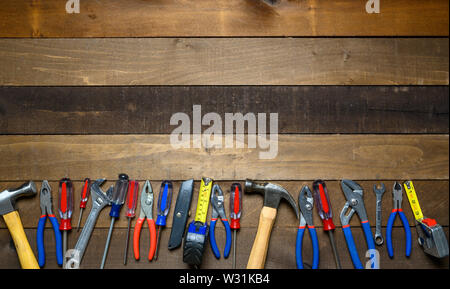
[[397, 196], [219, 212], [354, 194], [46, 209], [306, 204]]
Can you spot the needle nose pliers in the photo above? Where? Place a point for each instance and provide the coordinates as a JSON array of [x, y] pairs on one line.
[[354, 194], [146, 213], [397, 196], [306, 204], [46, 211], [219, 212]]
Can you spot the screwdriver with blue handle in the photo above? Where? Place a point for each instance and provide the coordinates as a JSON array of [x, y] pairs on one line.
[[117, 200], [164, 200]]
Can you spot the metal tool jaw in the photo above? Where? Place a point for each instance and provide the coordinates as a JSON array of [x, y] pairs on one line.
[[306, 205], [354, 195], [432, 238], [45, 197], [217, 203], [101, 198], [397, 196], [147, 201]]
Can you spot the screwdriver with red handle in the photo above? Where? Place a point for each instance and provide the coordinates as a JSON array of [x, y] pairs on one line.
[[235, 209], [85, 192], [65, 211], [133, 189], [323, 205]]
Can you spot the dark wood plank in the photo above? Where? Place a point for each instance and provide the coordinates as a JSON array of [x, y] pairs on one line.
[[368, 157], [219, 61], [147, 110], [433, 197], [281, 254], [134, 18]]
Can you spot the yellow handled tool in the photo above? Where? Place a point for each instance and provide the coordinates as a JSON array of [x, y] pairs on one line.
[[12, 220]]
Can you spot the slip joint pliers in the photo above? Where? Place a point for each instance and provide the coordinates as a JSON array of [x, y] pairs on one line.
[[218, 211], [145, 213], [306, 205], [355, 204], [45, 197]]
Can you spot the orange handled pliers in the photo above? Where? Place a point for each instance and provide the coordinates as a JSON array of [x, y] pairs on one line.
[[146, 213]]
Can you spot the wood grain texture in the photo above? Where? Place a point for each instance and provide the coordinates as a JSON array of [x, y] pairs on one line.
[[367, 157], [134, 18], [218, 61], [281, 253], [433, 197], [147, 110]]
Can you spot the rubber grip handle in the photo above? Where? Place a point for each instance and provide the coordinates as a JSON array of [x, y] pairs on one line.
[[298, 248], [15, 227], [152, 228], [136, 236], [40, 241], [369, 239], [258, 253], [58, 240], [315, 243], [408, 237], [227, 250], [212, 239], [390, 224], [352, 248]]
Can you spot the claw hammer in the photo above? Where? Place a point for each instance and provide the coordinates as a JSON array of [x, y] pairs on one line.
[[12, 219], [272, 197]]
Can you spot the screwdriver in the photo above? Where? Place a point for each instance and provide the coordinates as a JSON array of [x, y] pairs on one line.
[[84, 198], [164, 199], [133, 189], [65, 211], [235, 209], [323, 206], [118, 198]]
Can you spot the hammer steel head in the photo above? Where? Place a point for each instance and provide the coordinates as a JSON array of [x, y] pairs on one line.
[[8, 197], [272, 194]]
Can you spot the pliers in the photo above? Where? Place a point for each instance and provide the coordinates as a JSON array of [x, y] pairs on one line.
[[219, 212], [354, 194], [46, 211], [306, 204], [146, 213], [397, 196]]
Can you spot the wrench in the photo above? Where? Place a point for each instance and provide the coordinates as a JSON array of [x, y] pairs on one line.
[[100, 200], [379, 194]]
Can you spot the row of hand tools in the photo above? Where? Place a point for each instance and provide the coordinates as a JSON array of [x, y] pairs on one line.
[[125, 192]]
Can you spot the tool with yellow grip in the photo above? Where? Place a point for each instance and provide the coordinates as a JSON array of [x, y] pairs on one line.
[[432, 237], [194, 243], [12, 219]]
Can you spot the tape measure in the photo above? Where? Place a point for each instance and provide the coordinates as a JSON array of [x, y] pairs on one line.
[[413, 201], [195, 238], [204, 196]]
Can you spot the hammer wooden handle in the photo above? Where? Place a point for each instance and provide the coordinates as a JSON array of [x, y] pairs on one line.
[[26, 255], [261, 244]]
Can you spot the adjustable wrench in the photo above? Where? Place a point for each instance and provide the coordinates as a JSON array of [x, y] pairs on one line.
[[100, 200], [379, 194]]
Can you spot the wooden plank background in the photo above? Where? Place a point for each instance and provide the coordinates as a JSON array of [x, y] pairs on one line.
[[91, 95], [301, 109], [224, 61], [135, 18]]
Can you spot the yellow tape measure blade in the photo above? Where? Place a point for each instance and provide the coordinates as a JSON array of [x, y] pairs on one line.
[[203, 200], [413, 201]]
